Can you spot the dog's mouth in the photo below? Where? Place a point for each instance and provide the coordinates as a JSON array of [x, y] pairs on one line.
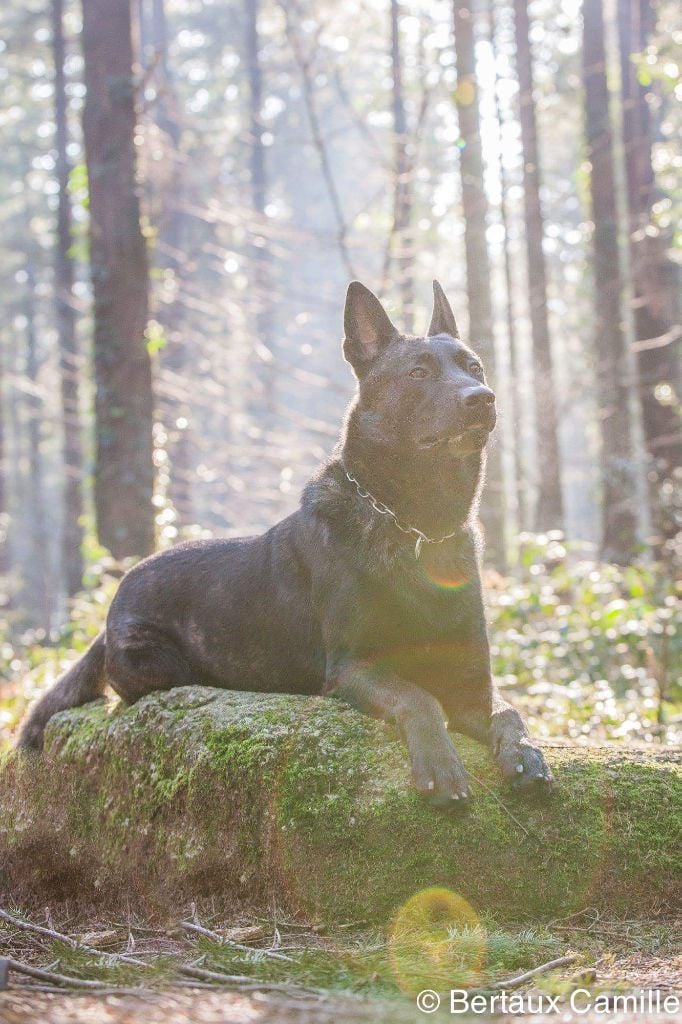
[[474, 432]]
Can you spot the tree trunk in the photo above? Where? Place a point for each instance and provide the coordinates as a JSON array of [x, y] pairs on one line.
[[519, 484], [165, 202], [402, 171], [37, 570], [619, 520], [16, 489], [4, 493], [72, 453], [124, 472], [260, 271], [475, 209], [549, 513], [655, 279]]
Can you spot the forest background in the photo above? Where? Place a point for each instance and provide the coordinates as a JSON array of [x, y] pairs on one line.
[[188, 187]]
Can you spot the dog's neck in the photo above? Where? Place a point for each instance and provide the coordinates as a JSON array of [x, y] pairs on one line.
[[436, 492]]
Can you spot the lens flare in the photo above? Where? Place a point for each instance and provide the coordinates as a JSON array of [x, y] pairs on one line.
[[318, 844], [436, 941], [450, 582], [443, 571]]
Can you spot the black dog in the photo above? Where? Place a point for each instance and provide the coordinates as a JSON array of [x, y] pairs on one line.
[[370, 592]]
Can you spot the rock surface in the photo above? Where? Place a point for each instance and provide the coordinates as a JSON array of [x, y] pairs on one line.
[[240, 796]]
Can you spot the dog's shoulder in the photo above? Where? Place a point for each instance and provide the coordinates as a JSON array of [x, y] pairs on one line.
[[331, 507], [328, 496]]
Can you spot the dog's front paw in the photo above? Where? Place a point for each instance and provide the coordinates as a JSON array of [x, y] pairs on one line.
[[440, 777], [525, 767]]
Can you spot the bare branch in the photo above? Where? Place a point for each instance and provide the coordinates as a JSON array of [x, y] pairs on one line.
[[304, 64]]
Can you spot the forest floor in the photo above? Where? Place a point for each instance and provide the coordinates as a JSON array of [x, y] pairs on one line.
[[266, 970]]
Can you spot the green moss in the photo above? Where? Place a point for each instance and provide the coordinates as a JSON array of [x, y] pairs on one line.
[[199, 791]]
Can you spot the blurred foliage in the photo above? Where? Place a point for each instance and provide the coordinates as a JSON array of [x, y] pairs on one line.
[[589, 651], [30, 662]]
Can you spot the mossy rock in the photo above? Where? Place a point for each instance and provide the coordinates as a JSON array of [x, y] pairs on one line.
[[240, 796]]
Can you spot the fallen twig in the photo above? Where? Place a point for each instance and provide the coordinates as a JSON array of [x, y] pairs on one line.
[[197, 974], [106, 990], [51, 976], [245, 983], [69, 941], [189, 926], [203, 974], [27, 926], [520, 979]]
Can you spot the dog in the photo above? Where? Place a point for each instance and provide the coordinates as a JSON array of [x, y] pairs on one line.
[[370, 592]]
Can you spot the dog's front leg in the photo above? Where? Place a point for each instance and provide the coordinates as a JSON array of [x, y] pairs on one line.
[[500, 726], [437, 770]]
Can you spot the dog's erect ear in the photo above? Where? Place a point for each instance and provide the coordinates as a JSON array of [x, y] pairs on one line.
[[367, 328], [443, 319]]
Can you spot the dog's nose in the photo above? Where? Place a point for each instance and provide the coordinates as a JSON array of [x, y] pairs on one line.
[[477, 398]]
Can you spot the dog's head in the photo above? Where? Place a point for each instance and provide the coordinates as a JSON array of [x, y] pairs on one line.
[[416, 393]]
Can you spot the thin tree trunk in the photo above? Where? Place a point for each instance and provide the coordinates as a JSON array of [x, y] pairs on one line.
[[72, 452], [4, 491], [171, 242], [519, 484], [260, 276], [176, 416], [255, 76], [402, 171], [475, 209], [619, 519], [124, 472], [549, 513], [38, 574], [655, 279], [15, 444]]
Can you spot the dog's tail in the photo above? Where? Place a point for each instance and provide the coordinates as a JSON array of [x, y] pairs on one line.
[[84, 682]]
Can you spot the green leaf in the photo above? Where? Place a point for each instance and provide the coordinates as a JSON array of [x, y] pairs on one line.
[[155, 337]]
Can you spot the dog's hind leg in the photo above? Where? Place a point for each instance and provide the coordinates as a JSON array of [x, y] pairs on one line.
[[141, 658], [499, 726]]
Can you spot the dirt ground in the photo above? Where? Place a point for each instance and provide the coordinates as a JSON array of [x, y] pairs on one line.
[[198, 1007], [195, 1007], [615, 957]]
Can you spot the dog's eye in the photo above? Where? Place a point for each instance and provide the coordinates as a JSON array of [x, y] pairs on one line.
[[418, 372], [476, 369]]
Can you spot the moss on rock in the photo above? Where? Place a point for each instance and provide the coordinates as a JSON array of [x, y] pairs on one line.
[[237, 795]]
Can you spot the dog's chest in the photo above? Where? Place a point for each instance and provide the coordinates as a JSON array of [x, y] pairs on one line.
[[432, 599], [426, 626]]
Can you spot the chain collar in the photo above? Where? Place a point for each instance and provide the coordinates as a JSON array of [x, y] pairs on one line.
[[384, 510]]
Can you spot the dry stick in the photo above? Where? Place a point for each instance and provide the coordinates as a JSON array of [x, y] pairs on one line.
[[246, 983], [520, 979], [190, 972], [74, 944], [59, 979], [28, 926], [191, 983], [242, 980], [189, 926], [111, 990], [502, 805], [202, 972]]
